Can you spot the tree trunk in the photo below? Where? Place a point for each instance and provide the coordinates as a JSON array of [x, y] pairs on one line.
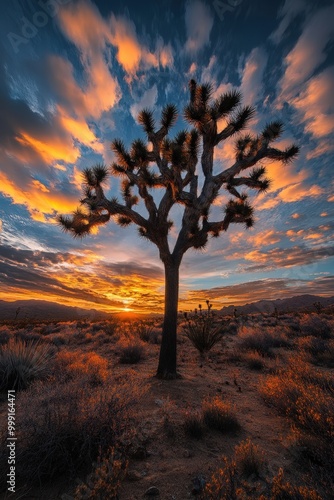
[[167, 359]]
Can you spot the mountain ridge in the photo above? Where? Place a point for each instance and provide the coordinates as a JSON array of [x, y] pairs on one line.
[[290, 304], [45, 310]]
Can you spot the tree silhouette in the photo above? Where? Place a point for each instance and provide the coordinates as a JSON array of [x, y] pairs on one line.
[[172, 165]]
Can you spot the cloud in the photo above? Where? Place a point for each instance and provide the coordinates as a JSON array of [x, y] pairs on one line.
[[297, 192], [288, 185], [286, 257], [288, 12], [323, 147], [41, 202], [252, 77], [83, 25], [269, 237], [264, 289], [315, 105], [308, 53], [83, 279], [199, 22], [165, 54], [148, 100], [130, 54]]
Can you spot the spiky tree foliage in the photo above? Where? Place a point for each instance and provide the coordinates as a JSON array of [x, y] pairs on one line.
[[177, 169]]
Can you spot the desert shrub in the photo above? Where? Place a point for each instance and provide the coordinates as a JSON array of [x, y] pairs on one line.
[[282, 490], [254, 360], [96, 327], [63, 428], [262, 341], [131, 354], [59, 340], [193, 425], [92, 366], [101, 338], [4, 337], [78, 337], [222, 484], [316, 326], [306, 396], [201, 329], [23, 362], [219, 415], [82, 324], [49, 328], [319, 351], [28, 336], [249, 458], [105, 479], [230, 327], [143, 330], [111, 327]]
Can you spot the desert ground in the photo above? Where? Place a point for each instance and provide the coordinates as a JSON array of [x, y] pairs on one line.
[[252, 417]]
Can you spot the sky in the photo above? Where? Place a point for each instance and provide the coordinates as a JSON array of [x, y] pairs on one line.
[[74, 75]]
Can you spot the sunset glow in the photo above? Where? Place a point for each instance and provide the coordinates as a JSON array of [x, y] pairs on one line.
[[80, 81]]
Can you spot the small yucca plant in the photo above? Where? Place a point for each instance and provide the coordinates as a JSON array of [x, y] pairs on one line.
[[22, 362], [201, 330]]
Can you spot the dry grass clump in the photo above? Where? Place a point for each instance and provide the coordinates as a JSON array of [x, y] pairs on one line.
[[282, 490], [249, 459], [23, 362], [105, 479], [262, 341], [63, 428], [318, 350], [306, 396], [90, 365], [226, 483], [132, 353], [316, 326], [193, 425], [222, 484], [254, 360], [4, 336], [219, 415]]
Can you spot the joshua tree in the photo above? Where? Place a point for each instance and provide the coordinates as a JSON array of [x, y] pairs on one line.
[[172, 165]]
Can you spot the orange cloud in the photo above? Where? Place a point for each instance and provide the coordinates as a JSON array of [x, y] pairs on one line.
[[50, 149], [41, 202], [298, 192], [79, 129], [84, 26], [316, 104], [323, 147], [251, 84], [166, 57], [308, 53], [287, 184], [267, 238]]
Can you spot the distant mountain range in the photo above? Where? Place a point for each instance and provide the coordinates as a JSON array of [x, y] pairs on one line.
[[42, 310], [300, 302]]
